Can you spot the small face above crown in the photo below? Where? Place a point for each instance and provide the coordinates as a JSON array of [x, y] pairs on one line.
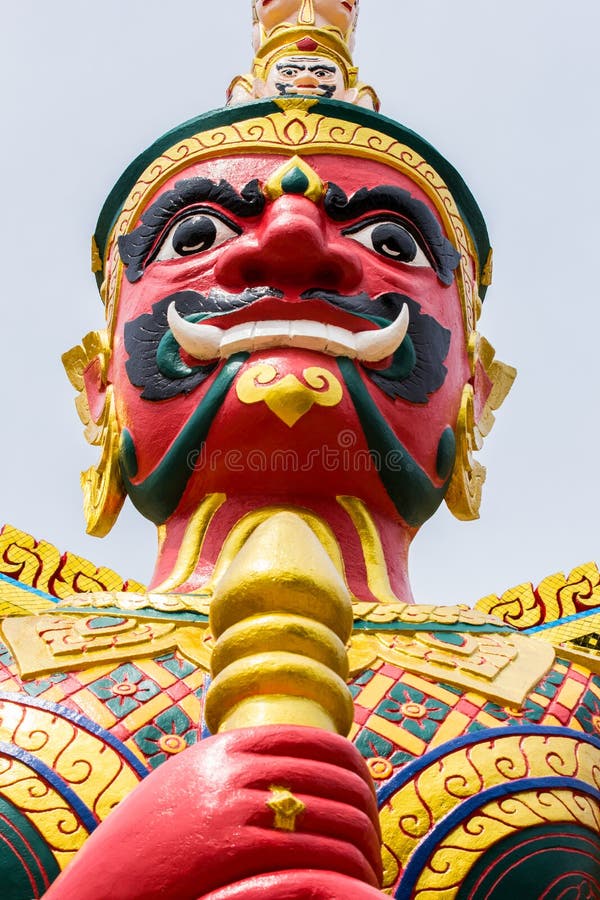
[[313, 75]]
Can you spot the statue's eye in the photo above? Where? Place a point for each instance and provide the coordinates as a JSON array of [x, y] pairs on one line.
[[288, 72], [195, 233], [389, 238]]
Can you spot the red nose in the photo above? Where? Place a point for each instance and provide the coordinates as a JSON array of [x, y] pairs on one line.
[[290, 250]]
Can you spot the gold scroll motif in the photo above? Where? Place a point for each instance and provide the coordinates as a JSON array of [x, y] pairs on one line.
[[463, 497], [503, 668], [148, 602], [41, 565], [17, 600], [576, 639], [102, 485], [568, 602], [421, 614], [556, 597], [417, 614], [415, 809], [94, 770], [48, 812], [467, 843], [67, 642], [287, 397]]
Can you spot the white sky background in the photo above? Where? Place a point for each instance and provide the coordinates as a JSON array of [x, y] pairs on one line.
[[507, 90]]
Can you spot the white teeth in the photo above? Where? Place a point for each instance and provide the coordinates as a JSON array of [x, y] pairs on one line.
[[210, 342]]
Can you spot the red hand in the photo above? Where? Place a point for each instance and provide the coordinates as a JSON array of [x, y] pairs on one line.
[[297, 885], [202, 821]]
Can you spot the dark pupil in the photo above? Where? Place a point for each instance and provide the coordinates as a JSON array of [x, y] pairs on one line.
[[194, 235], [394, 241]]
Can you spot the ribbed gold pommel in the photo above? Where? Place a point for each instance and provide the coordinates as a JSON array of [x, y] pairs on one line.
[[281, 616]]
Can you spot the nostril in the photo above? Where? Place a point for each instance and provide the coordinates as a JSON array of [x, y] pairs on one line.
[[252, 274], [328, 276]]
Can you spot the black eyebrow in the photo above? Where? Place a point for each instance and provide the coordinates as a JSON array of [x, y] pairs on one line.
[[321, 66], [289, 65], [388, 198], [135, 247]]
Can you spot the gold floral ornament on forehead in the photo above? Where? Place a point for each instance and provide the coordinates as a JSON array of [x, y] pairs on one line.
[[303, 48]]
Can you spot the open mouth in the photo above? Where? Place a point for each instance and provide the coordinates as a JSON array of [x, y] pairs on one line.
[[207, 342]]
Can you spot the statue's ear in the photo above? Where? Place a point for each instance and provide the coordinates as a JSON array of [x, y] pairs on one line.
[[103, 491], [259, 88], [86, 366], [490, 382]]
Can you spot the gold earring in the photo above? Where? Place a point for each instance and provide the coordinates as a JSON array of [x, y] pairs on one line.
[[463, 497], [102, 485]]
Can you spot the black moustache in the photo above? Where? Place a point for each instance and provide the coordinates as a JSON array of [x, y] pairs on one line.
[[162, 376], [219, 301], [387, 306]]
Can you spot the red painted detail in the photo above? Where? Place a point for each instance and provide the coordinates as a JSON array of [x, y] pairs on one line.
[[393, 537], [482, 390], [96, 391], [178, 690], [201, 822], [467, 709], [560, 712], [120, 731], [361, 714], [297, 885], [70, 685], [581, 677], [307, 44], [391, 671]]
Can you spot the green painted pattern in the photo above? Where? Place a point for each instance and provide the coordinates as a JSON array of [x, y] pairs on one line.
[[294, 182], [27, 865], [168, 353], [408, 486], [158, 495], [446, 454], [550, 861]]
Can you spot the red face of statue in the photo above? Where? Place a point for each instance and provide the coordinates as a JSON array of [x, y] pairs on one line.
[[294, 389]]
